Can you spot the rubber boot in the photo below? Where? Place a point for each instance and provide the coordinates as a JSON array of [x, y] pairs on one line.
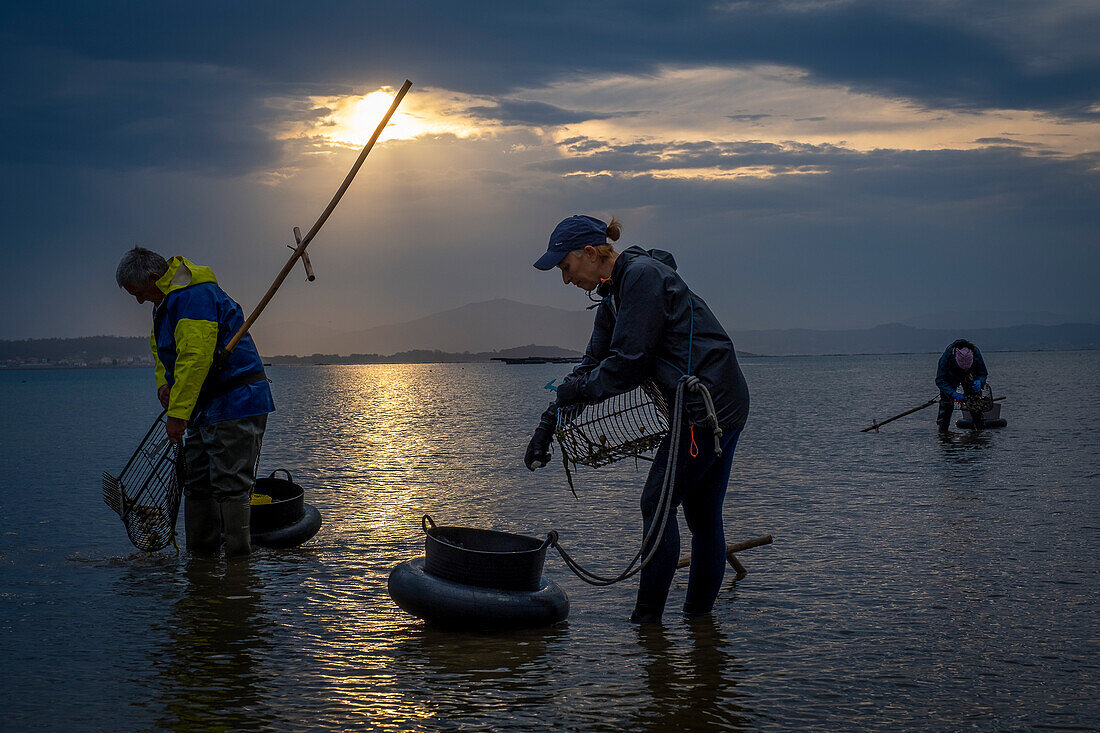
[[235, 519], [646, 614], [943, 419], [694, 609], [202, 523]]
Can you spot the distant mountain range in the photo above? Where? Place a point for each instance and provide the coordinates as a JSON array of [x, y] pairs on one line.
[[953, 319], [477, 327], [502, 324], [895, 338], [480, 331]]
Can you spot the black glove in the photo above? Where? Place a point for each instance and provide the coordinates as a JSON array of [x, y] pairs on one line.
[[538, 450], [568, 393]]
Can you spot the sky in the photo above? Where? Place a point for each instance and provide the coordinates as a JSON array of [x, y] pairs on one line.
[[817, 164]]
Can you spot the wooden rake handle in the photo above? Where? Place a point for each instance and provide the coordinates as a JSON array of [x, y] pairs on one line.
[[320, 220]]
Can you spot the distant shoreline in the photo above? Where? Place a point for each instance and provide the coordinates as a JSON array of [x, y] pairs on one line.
[[303, 363], [888, 339]]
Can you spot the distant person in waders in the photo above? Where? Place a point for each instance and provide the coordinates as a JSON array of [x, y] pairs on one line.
[[650, 326], [219, 410], [961, 373]]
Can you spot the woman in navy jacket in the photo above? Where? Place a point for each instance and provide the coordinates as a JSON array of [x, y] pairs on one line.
[[651, 326]]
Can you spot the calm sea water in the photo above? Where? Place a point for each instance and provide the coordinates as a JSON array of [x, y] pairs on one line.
[[915, 582]]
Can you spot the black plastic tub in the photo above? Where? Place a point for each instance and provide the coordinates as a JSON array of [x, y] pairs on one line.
[[288, 520], [484, 558]]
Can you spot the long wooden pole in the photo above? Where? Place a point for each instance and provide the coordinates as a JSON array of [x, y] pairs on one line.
[[320, 220], [876, 425]]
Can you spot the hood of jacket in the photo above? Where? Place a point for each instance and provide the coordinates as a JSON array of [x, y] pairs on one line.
[[605, 289], [183, 273], [660, 255]]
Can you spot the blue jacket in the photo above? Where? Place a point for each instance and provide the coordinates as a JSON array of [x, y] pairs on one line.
[[651, 326], [950, 375], [195, 318]]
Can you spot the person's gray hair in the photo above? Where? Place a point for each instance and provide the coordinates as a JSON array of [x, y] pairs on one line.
[[137, 265]]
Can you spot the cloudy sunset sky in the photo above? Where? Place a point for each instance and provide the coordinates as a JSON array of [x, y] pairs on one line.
[[819, 164]]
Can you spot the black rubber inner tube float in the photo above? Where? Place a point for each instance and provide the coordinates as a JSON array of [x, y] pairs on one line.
[[964, 424], [477, 578], [287, 520]]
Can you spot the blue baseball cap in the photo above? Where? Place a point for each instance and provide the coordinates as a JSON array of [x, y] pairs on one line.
[[576, 232]]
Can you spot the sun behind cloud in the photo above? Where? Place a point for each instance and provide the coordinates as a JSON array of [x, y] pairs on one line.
[[357, 118], [352, 119]]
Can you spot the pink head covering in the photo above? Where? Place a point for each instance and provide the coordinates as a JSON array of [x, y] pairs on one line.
[[964, 357]]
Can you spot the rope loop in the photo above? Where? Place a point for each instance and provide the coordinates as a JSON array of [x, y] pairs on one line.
[[696, 385]]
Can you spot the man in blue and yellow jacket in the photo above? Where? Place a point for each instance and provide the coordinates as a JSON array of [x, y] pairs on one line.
[[217, 406]]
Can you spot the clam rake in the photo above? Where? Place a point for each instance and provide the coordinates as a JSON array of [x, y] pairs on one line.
[[629, 425], [624, 426], [146, 494]]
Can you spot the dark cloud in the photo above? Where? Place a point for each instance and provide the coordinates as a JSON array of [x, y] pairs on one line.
[[535, 114], [583, 144], [588, 157], [997, 176], [137, 84], [1006, 141], [967, 54], [124, 115]]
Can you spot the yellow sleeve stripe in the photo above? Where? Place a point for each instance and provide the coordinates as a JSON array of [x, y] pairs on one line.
[[195, 344]]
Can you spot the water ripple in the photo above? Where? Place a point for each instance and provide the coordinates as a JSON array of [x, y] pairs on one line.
[[915, 582]]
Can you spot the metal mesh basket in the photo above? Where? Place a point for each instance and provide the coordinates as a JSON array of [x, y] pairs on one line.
[[146, 494], [624, 426], [979, 403]]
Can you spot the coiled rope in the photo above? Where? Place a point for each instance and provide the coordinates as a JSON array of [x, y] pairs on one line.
[[668, 485]]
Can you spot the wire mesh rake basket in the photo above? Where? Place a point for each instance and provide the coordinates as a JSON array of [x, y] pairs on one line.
[[628, 425], [146, 495], [979, 403]]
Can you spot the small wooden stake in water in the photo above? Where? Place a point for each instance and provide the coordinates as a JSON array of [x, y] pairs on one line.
[[730, 549]]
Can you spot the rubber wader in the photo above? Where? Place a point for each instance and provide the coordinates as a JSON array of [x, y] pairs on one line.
[[202, 523], [235, 519]]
